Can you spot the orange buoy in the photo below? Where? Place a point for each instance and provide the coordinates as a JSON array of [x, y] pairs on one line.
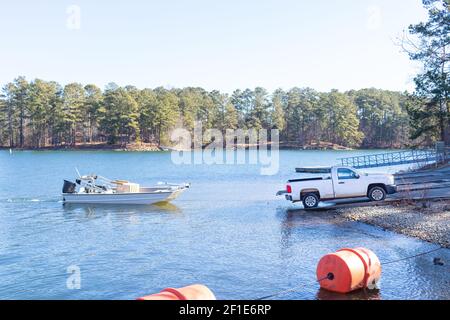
[[348, 270], [194, 292]]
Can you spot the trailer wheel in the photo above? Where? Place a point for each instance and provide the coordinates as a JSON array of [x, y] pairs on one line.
[[377, 194], [310, 200]]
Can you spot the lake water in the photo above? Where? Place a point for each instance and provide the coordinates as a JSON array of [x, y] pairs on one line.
[[229, 232]]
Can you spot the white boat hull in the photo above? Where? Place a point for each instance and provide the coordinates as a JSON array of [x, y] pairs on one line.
[[121, 198]]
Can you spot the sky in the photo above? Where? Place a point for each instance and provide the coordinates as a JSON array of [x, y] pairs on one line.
[[224, 45]]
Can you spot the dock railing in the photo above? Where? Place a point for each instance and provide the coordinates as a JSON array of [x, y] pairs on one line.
[[425, 156]]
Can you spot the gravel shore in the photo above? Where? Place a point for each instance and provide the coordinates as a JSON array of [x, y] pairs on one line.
[[429, 221]]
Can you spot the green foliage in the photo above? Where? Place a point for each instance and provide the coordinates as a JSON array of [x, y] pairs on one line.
[[15, 96], [223, 116], [44, 107], [231, 118], [54, 116], [243, 101], [73, 110], [93, 103], [305, 116], [341, 118], [3, 123], [431, 47], [278, 120], [258, 113], [147, 106], [383, 117], [190, 106], [119, 117], [167, 112]]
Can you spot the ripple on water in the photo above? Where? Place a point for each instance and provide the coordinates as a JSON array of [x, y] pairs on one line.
[[229, 232]]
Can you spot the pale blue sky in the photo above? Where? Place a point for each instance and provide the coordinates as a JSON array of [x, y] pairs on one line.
[[323, 44]]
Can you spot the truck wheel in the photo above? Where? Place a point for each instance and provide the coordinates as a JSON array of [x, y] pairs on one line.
[[377, 194], [310, 200]]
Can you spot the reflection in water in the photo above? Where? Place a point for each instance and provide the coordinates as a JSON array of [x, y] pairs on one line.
[[286, 227], [363, 294], [99, 210], [294, 221], [302, 232]]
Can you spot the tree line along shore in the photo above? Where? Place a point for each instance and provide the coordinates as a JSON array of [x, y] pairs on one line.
[[43, 114]]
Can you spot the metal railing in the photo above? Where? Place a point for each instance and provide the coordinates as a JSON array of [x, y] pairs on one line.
[[394, 158]]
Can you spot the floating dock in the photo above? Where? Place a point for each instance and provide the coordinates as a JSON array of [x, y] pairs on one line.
[[395, 158]]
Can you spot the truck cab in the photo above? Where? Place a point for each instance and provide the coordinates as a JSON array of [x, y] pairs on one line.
[[330, 183]]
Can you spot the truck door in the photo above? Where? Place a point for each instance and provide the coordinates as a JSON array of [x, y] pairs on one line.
[[346, 183]]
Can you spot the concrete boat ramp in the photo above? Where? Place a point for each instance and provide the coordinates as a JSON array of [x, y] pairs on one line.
[[423, 184]]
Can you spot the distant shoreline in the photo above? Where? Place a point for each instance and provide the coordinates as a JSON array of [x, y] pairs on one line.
[[151, 147], [165, 149]]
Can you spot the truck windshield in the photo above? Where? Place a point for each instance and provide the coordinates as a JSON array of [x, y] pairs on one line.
[[346, 174]]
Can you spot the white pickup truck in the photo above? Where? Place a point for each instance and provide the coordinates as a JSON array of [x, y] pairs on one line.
[[337, 183]]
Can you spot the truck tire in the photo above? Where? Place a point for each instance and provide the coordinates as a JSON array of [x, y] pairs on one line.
[[377, 194], [310, 201]]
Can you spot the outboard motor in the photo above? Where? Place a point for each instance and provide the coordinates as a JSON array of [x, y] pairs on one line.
[[69, 187]]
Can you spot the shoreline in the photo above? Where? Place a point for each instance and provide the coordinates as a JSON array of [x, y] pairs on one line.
[[147, 147], [426, 220], [151, 147]]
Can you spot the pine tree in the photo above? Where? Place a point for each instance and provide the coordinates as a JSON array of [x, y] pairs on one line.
[[43, 107], [45, 113], [167, 112], [3, 123], [119, 117], [342, 119], [258, 115], [278, 120], [430, 45], [147, 104], [231, 120], [93, 103], [73, 110]]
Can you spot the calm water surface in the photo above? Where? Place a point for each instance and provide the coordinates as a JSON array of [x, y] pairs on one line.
[[229, 231]]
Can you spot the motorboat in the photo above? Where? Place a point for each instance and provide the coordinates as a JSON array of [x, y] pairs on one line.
[[95, 189]]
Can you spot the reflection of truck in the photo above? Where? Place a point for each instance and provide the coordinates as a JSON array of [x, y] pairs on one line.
[[338, 183]]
